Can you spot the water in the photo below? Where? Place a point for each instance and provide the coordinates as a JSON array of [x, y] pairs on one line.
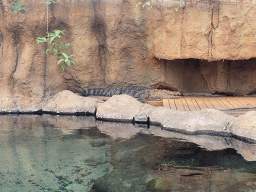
[[66, 153]]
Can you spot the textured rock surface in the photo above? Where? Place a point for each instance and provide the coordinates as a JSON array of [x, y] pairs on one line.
[[245, 125], [124, 107], [117, 44], [68, 102], [203, 121], [119, 107]]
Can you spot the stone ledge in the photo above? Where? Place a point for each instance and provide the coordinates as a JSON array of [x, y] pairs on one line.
[[124, 108]]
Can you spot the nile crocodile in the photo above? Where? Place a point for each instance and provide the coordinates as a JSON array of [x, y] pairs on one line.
[[143, 93]]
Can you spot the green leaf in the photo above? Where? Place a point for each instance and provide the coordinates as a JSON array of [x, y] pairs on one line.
[[17, 3], [14, 10], [176, 9], [60, 61], [63, 66], [23, 11], [1, 41], [72, 62], [148, 3], [54, 49], [68, 45], [65, 55], [59, 54], [22, 6], [52, 39], [47, 51], [58, 32], [69, 63]]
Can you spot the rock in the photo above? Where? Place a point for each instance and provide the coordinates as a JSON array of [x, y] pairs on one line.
[[126, 108], [160, 184], [68, 102], [141, 118], [119, 107], [245, 125], [207, 121]]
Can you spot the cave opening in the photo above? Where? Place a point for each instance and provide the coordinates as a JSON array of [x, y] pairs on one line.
[[222, 77]]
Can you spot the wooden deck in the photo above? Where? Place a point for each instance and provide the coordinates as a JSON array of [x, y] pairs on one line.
[[231, 105]]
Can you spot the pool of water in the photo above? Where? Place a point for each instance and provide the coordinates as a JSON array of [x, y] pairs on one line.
[[68, 153]]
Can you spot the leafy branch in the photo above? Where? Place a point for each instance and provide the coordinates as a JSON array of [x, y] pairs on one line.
[[17, 7], [58, 48]]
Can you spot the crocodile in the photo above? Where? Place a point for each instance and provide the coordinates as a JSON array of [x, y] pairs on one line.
[[143, 93]]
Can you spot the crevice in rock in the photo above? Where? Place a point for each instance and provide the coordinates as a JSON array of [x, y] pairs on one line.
[[253, 92], [163, 85], [223, 93], [99, 29]]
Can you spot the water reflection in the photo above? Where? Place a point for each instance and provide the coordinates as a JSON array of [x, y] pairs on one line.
[[68, 153]]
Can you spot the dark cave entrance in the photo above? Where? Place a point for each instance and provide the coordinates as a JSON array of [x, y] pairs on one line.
[[223, 77]]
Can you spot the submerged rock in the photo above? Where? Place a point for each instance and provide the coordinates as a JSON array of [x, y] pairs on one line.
[[69, 102], [159, 184]]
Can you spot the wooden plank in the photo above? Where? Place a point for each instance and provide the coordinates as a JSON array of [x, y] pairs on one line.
[[251, 101], [196, 104], [179, 104], [243, 102], [172, 104], [248, 104], [215, 103], [239, 102], [201, 103], [191, 104], [166, 103], [208, 103], [219, 100], [155, 103], [186, 107], [229, 104], [235, 102]]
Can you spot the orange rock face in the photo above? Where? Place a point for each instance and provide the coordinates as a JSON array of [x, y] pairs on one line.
[[118, 44]]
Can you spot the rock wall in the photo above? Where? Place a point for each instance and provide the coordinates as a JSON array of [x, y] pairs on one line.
[[118, 44]]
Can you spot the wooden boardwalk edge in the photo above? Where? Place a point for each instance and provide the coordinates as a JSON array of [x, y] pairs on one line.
[[230, 105]]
